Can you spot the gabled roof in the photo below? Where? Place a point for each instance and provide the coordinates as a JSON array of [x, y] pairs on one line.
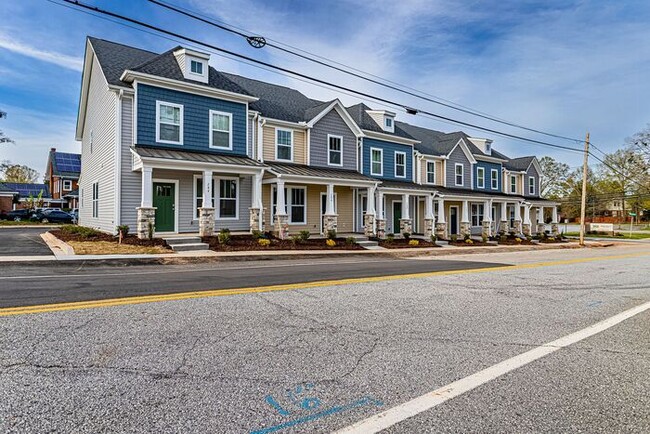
[[63, 164], [363, 119], [434, 142], [115, 58], [25, 189], [520, 164]]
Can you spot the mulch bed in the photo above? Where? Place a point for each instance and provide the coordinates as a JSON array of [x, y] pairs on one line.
[[551, 241], [474, 243], [240, 243], [401, 243], [101, 236], [512, 241]]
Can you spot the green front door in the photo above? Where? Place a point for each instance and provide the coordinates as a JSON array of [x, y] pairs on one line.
[[163, 199], [397, 216]]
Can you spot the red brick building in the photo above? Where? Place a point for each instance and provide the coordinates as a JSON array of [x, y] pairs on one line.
[[61, 177]]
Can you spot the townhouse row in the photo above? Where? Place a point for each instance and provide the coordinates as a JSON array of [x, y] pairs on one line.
[[172, 145]]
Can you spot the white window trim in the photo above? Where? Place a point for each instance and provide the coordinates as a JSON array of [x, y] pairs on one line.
[[462, 174], [512, 177], [480, 179], [229, 116], [217, 197], [381, 165], [287, 203], [329, 163], [69, 183], [494, 179], [426, 172], [200, 74], [395, 168], [480, 216], [531, 178], [276, 143], [180, 132]]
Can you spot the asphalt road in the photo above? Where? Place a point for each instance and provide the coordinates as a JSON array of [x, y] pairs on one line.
[[64, 282], [320, 359], [23, 242]]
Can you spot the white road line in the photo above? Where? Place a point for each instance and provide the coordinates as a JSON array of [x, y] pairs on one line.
[[429, 400]]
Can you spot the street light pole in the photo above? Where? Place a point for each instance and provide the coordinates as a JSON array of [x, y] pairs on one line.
[[583, 206]]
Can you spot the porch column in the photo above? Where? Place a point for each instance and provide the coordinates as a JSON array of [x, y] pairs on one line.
[[405, 223], [330, 217], [441, 224], [517, 225], [381, 218], [429, 217], [146, 213], [554, 222], [281, 217], [526, 228], [486, 230], [369, 217], [256, 210], [541, 227], [504, 224], [465, 226], [206, 212]]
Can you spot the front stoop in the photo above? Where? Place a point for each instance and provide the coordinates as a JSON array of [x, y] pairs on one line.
[[187, 244], [364, 242]]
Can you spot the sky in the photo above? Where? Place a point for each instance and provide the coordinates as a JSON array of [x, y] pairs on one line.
[[564, 67]]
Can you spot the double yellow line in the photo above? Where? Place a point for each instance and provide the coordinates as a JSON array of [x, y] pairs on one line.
[[57, 307]]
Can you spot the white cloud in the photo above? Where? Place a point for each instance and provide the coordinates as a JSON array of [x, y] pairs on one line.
[[70, 62]]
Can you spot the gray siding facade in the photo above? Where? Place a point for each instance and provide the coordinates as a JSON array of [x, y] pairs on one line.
[[532, 172], [333, 124], [458, 157], [131, 182]]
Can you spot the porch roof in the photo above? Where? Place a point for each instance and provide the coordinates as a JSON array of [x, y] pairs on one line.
[[290, 169], [194, 156], [406, 185], [444, 192]]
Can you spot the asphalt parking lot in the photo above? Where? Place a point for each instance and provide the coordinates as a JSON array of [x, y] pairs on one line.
[[24, 241]]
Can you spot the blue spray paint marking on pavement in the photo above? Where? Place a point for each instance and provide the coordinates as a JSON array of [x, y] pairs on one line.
[[594, 304], [338, 409]]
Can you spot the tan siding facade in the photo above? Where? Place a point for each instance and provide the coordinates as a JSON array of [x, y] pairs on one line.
[[299, 144], [439, 179]]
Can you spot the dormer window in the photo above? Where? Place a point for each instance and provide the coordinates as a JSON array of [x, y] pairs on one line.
[[196, 67], [383, 118], [488, 148], [193, 64], [389, 123]]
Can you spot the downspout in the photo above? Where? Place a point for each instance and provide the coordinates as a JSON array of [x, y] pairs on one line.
[[260, 139], [118, 161]]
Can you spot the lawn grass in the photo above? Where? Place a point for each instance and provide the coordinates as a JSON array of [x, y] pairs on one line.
[[112, 248], [625, 235]]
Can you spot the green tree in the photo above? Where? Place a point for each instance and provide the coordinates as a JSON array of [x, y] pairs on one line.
[[3, 138], [16, 173], [554, 177]]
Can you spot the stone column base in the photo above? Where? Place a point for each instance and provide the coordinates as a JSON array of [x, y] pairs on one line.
[[441, 231], [516, 227], [504, 227], [330, 223], [146, 221], [282, 226], [206, 222], [429, 228], [369, 225], [541, 228], [254, 222], [526, 229], [405, 226], [486, 231], [381, 228], [555, 230], [465, 229]]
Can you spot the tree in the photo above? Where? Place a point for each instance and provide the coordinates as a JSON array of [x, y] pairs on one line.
[[3, 138], [624, 173], [571, 201], [17, 173], [554, 177], [640, 142]]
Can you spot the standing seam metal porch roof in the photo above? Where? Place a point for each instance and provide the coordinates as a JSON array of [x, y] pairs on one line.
[[317, 172], [199, 157]]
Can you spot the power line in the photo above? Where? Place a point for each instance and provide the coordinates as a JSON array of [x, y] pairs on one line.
[[408, 109], [260, 42]]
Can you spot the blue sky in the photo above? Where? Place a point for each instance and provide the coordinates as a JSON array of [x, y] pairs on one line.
[[559, 66]]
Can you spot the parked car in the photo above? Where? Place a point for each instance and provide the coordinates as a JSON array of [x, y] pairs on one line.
[[18, 215], [53, 216]]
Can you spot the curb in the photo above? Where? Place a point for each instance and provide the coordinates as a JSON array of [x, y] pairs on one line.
[[58, 247]]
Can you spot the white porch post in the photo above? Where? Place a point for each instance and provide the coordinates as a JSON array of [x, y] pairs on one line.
[[371, 200], [369, 218], [428, 208], [429, 219], [281, 217], [405, 206], [146, 213], [526, 228], [554, 217], [405, 223], [441, 224], [441, 211], [206, 212], [147, 187], [540, 215], [207, 189], [465, 212], [504, 224], [330, 218], [486, 230], [517, 225], [465, 226], [381, 220], [554, 222], [257, 209]]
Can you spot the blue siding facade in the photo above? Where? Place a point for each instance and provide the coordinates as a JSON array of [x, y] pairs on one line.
[[196, 119], [389, 149], [488, 167]]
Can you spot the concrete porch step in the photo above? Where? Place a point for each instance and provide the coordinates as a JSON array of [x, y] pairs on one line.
[[182, 240], [367, 243], [190, 247]]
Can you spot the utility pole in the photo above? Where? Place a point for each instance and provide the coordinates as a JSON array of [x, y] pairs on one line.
[[583, 207]]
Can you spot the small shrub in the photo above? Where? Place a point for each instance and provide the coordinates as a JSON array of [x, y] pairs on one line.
[[263, 242], [331, 234], [304, 235], [466, 237], [296, 239], [503, 238], [152, 229], [484, 238], [256, 234], [434, 238], [81, 231], [406, 236], [390, 238], [330, 242], [518, 240], [350, 241], [454, 238], [124, 229], [469, 241], [224, 236], [414, 243]]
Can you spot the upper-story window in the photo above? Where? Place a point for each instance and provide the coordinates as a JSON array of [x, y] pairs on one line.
[[196, 67], [283, 144], [335, 150], [400, 164], [388, 122], [376, 161], [67, 185], [480, 177], [431, 172], [460, 174], [513, 184], [169, 123], [531, 185], [494, 179], [220, 130]]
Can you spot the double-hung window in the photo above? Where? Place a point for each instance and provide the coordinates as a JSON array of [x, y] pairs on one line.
[[335, 150], [431, 172], [376, 161], [95, 199], [531, 185], [513, 184], [283, 145], [296, 204], [459, 172], [494, 179], [400, 164], [480, 177], [196, 67], [227, 199], [220, 130], [477, 214], [67, 185], [169, 123]]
